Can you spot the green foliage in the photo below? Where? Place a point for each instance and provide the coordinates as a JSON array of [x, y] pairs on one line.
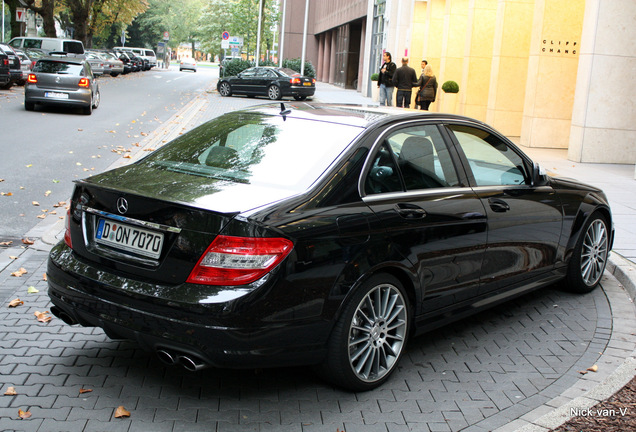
[[236, 66], [375, 76], [294, 64], [450, 87]]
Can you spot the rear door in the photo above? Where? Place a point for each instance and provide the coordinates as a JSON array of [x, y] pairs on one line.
[[524, 220], [427, 212]]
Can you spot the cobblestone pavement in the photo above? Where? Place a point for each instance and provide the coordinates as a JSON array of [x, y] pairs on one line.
[[510, 368]]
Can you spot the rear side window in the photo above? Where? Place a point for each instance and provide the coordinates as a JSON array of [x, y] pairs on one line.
[[73, 47], [56, 67], [150, 53]]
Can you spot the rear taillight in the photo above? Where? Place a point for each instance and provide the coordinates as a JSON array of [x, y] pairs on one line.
[[84, 82], [313, 80], [295, 81], [5, 62], [239, 260], [32, 78], [67, 233]]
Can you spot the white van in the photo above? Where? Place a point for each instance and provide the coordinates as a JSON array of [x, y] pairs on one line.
[[143, 53], [72, 47]]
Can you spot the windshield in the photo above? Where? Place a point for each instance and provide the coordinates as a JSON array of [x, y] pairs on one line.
[[257, 149]]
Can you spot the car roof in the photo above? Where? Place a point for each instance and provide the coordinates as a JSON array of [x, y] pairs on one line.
[[65, 59], [365, 116]]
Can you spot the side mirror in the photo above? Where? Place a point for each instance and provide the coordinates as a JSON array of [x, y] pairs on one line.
[[539, 175]]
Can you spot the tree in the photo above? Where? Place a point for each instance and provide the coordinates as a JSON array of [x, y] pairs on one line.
[[46, 9]]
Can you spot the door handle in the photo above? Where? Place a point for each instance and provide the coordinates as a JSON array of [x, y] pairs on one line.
[[410, 211], [497, 205]]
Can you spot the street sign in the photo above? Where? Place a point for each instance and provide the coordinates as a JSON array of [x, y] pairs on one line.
[[236, 41], [20, 15], [225, 35], [166, 35], [225, 44]]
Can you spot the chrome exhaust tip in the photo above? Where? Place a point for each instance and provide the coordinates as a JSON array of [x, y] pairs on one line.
[[167, 357], [191, 364]]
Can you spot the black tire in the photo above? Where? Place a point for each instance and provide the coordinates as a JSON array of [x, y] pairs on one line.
[[88, 110], [274, 93], [370, 336], [300, 98], [589, 257], [97, 100], [225, 89], [29, 106]]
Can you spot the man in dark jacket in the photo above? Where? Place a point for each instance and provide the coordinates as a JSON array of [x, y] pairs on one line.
[[385, 80], [404, 80]]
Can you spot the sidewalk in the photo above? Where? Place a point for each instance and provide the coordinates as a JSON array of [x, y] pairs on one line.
[[514, 368]]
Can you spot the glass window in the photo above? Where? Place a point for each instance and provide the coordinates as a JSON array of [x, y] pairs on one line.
[[491, 160], [257, 149], [419, 154], [57, 67], [248, 73]]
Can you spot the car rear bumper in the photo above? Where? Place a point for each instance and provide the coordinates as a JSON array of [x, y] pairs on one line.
[[208, 332], [81, 97], [302, 91]]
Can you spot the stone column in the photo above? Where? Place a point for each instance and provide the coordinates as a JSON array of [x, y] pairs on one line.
[[603, 120]]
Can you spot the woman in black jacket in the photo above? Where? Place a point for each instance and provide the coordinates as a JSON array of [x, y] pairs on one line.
[[427, 88]]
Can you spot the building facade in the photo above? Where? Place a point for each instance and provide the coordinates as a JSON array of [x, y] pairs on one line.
[[555, 73]]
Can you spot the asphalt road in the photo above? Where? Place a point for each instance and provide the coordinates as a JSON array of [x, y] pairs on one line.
[[44, 151]]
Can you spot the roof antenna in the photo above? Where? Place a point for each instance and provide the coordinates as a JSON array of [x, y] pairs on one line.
[[283, 111]]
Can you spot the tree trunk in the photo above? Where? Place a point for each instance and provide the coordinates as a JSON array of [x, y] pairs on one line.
[[16, 27], [80, 12], [46, 12]]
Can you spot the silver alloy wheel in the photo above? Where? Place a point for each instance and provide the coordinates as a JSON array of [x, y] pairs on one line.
[[377, 333], [225, 89], [594, 252], [273, 92]]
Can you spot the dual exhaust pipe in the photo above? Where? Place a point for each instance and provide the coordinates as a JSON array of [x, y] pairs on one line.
[[188, 362]]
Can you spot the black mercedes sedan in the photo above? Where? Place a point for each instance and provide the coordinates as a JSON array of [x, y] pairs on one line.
[[326, 235], [272, 82]]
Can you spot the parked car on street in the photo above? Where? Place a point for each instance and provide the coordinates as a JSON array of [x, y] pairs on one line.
[[113, 65], [96, 62], [187, 64], [25, 66], [72, 47], [273, 82], [319, 234], [15, 66], [60, 80], [5, 72]]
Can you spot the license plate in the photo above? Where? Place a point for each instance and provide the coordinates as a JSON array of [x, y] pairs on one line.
[[129, 238], [56, 95], [307, 84]]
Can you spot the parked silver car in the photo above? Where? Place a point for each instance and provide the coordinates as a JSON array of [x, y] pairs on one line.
[[97, 63], [62, 81]]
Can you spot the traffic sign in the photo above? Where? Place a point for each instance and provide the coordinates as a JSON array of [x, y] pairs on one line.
[[166, 35], [225, 35], [20, 15]]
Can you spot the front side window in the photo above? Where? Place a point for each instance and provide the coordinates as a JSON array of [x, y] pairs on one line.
[[419, 155], [491, 160]]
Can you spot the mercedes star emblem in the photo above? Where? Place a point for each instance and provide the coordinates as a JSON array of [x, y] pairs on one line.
[[122, 205]]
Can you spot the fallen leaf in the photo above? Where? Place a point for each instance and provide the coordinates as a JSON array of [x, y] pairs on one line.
[[10, 392], [24, 414], [16, 302], [6, 193], [6, 243], [83, 390], [35, 203], [47, 193], [29, 165], [121, 412], [583, 372], [13, 257], [45, 277], [43, 316], [27, 241], [32, 290], [19, 273], [593, 368]]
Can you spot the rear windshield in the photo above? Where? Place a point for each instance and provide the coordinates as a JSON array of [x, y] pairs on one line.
[[58, 67], [257, 149]]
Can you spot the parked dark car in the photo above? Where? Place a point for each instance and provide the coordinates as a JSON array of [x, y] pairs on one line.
[[62, 81], [273, 82], [319, 234], [15, 66], [5, 72]]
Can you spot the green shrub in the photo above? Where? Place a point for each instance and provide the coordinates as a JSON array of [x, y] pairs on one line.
[[236, 66], [450, 87], [375, 77], [294, 64]]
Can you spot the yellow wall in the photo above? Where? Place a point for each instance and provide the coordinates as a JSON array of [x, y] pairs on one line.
[[453, 50], [552, 73], [475, 82]]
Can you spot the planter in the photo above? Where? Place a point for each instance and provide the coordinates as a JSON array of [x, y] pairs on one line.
[[375, 91], [449, 103]]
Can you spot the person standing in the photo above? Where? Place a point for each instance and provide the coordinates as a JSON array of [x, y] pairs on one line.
[[404, 79], [385, 80], [427, 87]]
